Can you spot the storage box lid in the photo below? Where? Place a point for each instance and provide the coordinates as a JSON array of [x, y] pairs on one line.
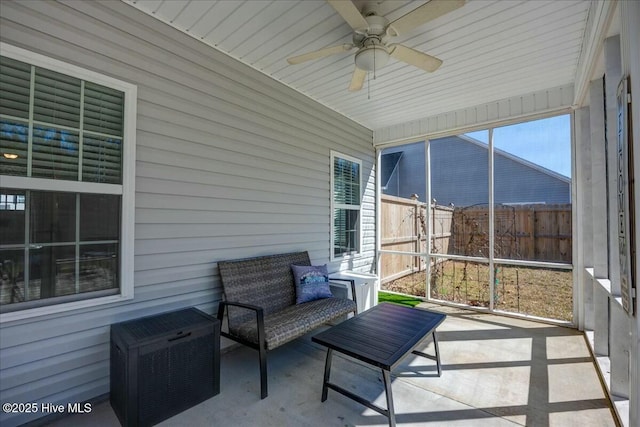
[[162, 324]]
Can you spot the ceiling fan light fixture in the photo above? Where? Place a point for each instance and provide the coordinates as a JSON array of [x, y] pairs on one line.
[[371, 58]]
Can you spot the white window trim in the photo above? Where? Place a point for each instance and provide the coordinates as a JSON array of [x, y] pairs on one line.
[[335, 206], [127, 189]]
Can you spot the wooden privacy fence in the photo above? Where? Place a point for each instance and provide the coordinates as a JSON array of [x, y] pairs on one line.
[[536, 232], [403, 224]]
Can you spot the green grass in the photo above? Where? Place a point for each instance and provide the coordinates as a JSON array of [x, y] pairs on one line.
[[398, 299]]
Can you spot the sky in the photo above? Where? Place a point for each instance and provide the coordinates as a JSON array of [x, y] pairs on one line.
[[545, 142]]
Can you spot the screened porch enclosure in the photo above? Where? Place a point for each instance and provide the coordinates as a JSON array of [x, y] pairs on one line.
[[482, 219]]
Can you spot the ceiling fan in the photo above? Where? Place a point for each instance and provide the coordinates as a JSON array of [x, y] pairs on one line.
[[371, 33]]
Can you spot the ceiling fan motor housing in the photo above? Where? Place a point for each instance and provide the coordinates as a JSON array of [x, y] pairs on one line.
[[373, 53], [377, 25]]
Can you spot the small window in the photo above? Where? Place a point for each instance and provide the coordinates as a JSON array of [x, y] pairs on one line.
[[346, 184], [67, 150]]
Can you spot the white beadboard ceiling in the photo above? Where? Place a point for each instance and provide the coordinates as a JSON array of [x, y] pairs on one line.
[[492, 49]]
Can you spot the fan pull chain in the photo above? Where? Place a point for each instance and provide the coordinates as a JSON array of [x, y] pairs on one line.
[[374, 64], [368, 77]]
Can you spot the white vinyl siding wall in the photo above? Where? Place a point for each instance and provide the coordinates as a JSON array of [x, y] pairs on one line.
[[229, 164]]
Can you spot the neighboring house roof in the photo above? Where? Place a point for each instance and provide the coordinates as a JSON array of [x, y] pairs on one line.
[[497, 151], [459, 174]]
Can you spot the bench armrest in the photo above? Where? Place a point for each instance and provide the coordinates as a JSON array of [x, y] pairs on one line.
[[259, 318], [223, 304], [353, 288]]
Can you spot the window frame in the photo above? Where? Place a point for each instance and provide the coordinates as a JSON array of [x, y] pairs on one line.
[[334, 206], [126, 189]]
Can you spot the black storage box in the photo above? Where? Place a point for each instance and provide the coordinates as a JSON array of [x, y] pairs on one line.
[[163, 364]]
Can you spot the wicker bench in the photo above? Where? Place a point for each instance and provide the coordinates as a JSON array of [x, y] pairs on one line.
[[260, 300]]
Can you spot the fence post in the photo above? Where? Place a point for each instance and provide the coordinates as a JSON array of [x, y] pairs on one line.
[[416, 231], [532, 233], [432, 244]]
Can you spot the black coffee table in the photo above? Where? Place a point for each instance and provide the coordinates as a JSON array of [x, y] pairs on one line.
[[381, 336]]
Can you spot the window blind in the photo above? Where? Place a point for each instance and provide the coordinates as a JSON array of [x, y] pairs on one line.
[[15, 81], [62, 146], [346, 182], [57, 99], [103, 109]]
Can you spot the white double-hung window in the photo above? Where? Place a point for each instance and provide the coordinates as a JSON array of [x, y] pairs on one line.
[[346, 184], [67, 156]]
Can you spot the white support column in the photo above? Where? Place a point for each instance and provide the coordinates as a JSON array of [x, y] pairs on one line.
[[619, 325], [601, 315], [599, 214], [613, 73], [378, 215], [630, 53], [492, 273], [584, 224], [598, 180], [428, 215], [619, 356], [580, 134]]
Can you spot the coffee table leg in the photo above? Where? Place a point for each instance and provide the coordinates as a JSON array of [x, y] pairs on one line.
[[435, 345], [327, 372], [387, 388]]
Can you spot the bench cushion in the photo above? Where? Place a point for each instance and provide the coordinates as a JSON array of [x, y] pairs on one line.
[[295, 321]]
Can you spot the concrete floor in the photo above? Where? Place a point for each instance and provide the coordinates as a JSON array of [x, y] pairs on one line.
[[497, 371]]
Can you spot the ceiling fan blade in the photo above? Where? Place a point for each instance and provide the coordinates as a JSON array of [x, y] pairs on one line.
[[425, 13], [319, 53], [416, 58], [357, 80], [349, 13]]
